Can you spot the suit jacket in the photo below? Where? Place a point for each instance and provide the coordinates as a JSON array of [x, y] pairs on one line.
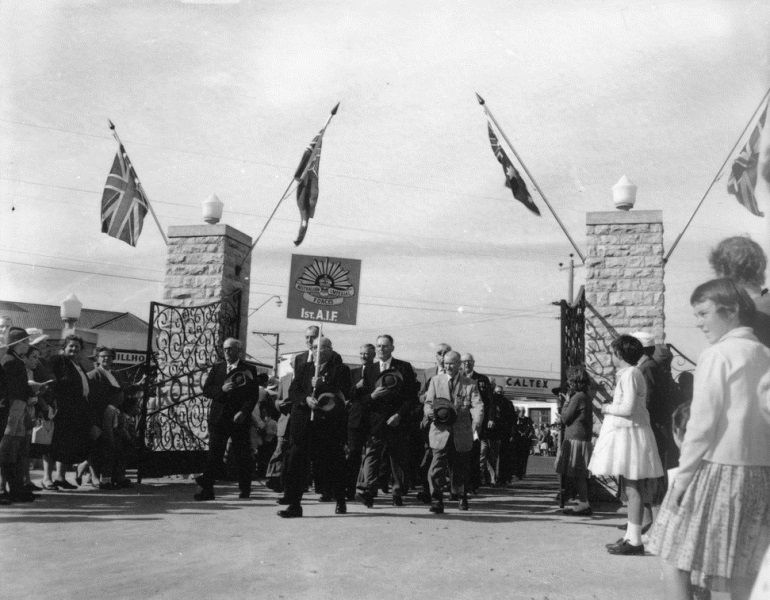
[[401, 400], [101, 393], [336, 378], [225, 405], [360, 396], [467, 404], [491, 410]]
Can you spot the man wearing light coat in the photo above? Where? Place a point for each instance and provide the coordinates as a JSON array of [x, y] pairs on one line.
[[451, 442]]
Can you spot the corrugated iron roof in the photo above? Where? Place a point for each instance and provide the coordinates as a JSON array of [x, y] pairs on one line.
[[48, 316]]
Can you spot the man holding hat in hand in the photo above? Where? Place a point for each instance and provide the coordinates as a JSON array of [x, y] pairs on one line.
[[451, 435]]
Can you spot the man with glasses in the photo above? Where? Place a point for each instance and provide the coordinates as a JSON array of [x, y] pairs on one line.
[[390, 407], [233, 389], [451, 430]]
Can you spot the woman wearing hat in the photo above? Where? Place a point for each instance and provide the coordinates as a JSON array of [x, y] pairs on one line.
[[72, 423]]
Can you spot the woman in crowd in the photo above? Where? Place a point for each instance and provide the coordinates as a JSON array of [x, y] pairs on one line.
[[714, 525], [575, 451], [72, 424], [626, 445]]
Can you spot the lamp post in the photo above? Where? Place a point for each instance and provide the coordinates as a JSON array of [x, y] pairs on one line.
[[278, 303], [70, 309]]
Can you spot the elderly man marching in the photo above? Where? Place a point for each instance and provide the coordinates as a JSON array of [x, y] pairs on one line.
[[454, 407]]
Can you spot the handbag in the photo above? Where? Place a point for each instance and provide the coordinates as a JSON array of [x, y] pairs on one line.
[[42, 432]]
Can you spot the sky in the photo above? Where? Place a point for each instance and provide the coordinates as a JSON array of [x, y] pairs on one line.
[[223, 97]]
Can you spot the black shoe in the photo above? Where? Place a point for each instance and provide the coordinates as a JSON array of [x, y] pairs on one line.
[[292, 512], [341, 508], [365, 498], [626, 549], [463, 505], [245, 494], [204, 494], [436, 507], [615, 543], [282, 501], [398, 501], [64, 485], [326, 498], [31, 487], [21, 496], [584, 512], [423, 497]]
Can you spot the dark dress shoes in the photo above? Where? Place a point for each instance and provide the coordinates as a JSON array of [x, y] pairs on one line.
[[204, 495], [436, 507], [64, 485], [398, 501], [423, 497], [625, 548], [365, 498], [283, 501], [341, 508], [463, 505], [292, 512], [585, 512]]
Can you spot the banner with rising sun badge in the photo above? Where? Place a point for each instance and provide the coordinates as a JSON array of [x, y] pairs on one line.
[[324, 288]]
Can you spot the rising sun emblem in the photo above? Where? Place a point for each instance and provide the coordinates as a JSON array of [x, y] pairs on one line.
[[325, 282]]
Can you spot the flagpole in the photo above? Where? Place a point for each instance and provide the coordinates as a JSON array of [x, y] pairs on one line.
[[532, 179], [286, 193], [139, 184], [718, 175]]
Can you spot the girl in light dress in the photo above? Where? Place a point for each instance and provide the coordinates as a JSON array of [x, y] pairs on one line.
[[626, 445], [714, 525]]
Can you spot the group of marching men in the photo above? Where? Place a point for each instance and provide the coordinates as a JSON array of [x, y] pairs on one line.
[[354, 432]]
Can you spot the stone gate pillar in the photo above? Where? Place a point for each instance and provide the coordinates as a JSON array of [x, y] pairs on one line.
[[624, 287], [201, 267]]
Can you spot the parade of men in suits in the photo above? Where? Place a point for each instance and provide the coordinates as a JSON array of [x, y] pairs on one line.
[[232, 386], [390, 405], [455, 410]]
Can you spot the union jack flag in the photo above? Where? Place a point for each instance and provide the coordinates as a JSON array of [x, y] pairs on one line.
[[124, 203], [307, 186], [512, 178], [743, 178]]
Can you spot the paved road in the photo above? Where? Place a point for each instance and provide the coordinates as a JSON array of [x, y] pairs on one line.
[[153, 541]]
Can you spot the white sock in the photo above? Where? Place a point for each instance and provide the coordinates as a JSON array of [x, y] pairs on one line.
[[633, 534]]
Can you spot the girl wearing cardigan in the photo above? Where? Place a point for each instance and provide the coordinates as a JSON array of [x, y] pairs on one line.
[[714, 525], [626, 445]]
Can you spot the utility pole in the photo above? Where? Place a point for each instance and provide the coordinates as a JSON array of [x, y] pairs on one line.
[[570, 276], [277, 337]]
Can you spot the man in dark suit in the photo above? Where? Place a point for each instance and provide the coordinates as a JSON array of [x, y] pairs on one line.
[[482, 453], [317, 428], [389, 411], [276, 468], [232, 387], [363, 379]]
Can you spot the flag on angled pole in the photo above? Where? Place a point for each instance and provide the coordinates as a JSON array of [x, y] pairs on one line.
[[124, 204], [742, 182], [306, 176], [513, 179]]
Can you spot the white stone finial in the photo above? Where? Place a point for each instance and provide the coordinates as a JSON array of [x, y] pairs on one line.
[[624, 194], [212, 209]]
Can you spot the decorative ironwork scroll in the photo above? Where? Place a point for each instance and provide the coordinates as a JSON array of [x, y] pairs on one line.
[[183, 343], [573, 326]]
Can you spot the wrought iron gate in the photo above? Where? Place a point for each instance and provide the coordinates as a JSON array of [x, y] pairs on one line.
[[573, 329], [182, 345]]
